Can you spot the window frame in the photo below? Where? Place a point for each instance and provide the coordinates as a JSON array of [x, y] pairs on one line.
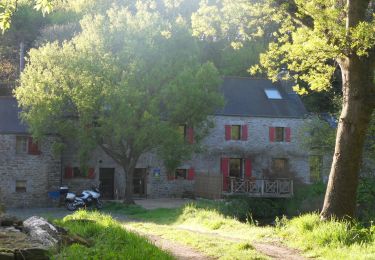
[[233, 129], [180, 170], [25, 145], [280, 137], [277, 168], [241, 170], [21, 188], [272, 93]]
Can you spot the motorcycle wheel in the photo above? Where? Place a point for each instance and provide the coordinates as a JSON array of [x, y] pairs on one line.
[[70, 206], [99, 204]]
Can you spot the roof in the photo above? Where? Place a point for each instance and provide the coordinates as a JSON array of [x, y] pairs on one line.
[[243, 97], [9, 117], [247, 97]]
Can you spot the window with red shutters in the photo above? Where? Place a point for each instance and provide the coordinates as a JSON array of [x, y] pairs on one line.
[[236, 132], [280, 134]]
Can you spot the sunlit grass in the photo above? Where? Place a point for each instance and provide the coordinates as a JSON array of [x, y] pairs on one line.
[[196, 221], [331, 239], [109, 240]]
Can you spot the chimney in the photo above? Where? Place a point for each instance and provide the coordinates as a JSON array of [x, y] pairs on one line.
[[285, 81], [22, 56]]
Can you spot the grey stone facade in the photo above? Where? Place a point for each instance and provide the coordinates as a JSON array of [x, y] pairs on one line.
[[257, 147], [40, 172], [247, 104]]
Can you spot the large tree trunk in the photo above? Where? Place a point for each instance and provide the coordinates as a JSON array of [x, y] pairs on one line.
[[358, 94]]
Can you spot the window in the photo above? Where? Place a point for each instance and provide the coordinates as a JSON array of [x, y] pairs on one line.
[[316, 165], [235, 167], [235, 132], [21, 144], [279, 164], [20, 186], [272, 94], [187, 133], [279, 134], [77, 173], [180, 174], [182, 130]]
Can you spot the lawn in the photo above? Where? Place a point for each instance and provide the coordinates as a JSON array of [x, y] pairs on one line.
[[109, 239], [202, 226]]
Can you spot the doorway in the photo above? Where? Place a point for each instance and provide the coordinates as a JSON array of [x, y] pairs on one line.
[[107, 182], [139, 182]]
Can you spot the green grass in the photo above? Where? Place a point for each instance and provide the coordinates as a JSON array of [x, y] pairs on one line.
[[110, 240], [329, 239], [203, 222]]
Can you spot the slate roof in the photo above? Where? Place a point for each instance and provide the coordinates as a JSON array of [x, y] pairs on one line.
[[9, 120], [246, 97], [243, 97]]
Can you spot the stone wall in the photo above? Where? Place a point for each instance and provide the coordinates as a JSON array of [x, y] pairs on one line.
[[41, 173], [257, 147]]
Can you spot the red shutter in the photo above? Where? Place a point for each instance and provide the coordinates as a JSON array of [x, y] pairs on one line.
[[227, 132], [91, 173], [225, 172], [287, 134], [190, 135], [191, 174], [248, 168], [272, 134], [33, 148], [244, 132], [68, 172]]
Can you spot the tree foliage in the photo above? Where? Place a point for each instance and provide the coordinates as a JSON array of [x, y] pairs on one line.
[[9, 7], [125, 83]]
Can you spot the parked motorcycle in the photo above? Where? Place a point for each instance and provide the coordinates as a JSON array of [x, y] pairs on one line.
[[88, 198]]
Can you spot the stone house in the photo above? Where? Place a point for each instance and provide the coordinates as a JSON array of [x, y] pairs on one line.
[[253, 146], [27, 169]]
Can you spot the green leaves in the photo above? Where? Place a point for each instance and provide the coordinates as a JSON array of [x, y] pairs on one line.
[[121, 83], [9, 7]]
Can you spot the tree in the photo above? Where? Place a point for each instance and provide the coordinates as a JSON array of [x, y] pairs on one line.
[[126, 83], [9, 7], [312, 39]]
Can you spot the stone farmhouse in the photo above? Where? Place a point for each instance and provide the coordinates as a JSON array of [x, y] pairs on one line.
[[252, 149]]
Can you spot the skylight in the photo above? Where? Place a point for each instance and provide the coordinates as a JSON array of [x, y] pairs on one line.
[[273, 94]]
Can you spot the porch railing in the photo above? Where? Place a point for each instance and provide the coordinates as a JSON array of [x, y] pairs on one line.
[[276, 188]]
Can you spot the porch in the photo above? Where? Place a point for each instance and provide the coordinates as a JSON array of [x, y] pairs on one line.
[[266, 188]]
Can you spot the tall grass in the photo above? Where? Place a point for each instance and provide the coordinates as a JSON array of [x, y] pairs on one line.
[[331, 239], [110, 240]]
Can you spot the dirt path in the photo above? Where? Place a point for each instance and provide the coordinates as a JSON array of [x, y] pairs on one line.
[[272, 249], [179, 251]]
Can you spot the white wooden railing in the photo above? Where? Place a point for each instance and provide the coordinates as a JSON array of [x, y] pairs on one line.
[[272, 188]]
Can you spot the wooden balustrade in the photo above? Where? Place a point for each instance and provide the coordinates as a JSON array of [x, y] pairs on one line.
[[271, 188]]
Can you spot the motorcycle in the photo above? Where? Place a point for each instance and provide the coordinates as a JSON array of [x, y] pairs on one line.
[[86, 199]]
